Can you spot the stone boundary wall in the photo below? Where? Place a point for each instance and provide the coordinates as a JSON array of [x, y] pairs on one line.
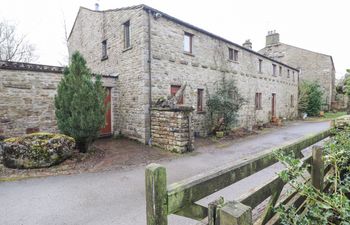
[[27, 97], [170, 129]]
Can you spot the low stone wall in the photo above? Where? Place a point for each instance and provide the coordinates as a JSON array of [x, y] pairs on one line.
[[172, 129], [27, 94]]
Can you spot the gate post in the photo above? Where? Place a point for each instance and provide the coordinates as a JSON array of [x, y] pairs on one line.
[[317, 168], [235, 213], [156, 195]]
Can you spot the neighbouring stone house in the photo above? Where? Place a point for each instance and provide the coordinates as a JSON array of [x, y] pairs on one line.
[[313, 66], [27, 94], [153, 54]]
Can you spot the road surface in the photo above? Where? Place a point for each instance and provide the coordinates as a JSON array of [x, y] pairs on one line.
[[117, 197]]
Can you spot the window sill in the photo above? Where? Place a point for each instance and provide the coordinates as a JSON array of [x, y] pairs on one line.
[[189, 54], [233, 61], [104, 58], [201, 112], [127, 49]]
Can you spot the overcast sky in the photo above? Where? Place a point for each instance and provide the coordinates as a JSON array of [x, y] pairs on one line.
[[317, 25]]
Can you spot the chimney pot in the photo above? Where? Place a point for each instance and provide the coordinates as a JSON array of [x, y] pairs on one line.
[[248, 44], [97, 6], [272, 38]]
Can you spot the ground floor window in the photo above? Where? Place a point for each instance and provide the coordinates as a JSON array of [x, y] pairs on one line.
[[258, 101], [173, 90], [200, 100], [292, 101]]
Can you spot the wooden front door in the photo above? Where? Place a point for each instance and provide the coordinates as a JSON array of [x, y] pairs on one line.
[[107, 129], [273, 110]]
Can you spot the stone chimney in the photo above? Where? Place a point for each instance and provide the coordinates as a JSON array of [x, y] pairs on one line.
[[248, 44], [272, 38]]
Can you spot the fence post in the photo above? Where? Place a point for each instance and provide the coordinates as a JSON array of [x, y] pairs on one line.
[[156, 195], [317, 168], [235, 213], [213, 209]]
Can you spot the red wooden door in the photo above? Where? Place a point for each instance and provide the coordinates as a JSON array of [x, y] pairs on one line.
[[273, 105], [107, 129]]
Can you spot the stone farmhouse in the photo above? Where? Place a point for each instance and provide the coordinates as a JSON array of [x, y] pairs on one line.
[[153, 54], [144, 55], [313, 66]]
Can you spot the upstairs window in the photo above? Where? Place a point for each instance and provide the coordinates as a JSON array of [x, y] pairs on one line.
[[280, 71], [274, 69], [188, 39], [127, 43], [258, 101], [230, 54], [260, 65], [200, 100], [288, 73], [104, 49], [173, 91], [235, 55], [293, 76]]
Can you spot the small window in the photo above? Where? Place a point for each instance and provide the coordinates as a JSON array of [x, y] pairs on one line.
[[258, 101], [288, 73], [173, 91], [104, 49], [188, 42], [230, 54], [280, 71], [200, 100], [293, 76], [274, 69], [127, 43], [292, 101], [235, 55], [260, 65]]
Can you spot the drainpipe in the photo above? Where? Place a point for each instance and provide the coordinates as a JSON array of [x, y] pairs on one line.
[[149, 77]]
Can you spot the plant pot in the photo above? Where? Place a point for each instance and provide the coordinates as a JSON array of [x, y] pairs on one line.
[[219, 134]]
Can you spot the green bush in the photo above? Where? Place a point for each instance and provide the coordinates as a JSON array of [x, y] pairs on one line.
[[331, 206], [223, 105], [310, 98], [80, 108]]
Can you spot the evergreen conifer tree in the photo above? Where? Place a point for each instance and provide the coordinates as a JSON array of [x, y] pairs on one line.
[[79, 103]]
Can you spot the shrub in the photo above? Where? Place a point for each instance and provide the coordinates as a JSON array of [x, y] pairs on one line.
[[80, 108], [310, 98], [331, 206], [223, 105]]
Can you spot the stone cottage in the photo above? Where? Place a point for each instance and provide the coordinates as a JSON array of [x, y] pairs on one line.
[[313, 66], [153, 54]]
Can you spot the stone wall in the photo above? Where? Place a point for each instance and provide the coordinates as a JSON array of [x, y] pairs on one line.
[[27, 97], [208, 63], [170, 129], [315, 67]]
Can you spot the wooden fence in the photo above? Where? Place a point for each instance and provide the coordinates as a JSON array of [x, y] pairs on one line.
[[180, 198]]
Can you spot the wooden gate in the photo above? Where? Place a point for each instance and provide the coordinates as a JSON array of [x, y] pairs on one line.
[[107, 129]]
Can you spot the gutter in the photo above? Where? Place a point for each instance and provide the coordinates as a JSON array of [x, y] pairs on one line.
[[149, 61]]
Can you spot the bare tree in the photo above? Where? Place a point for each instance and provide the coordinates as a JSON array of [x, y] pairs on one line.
[[14, 46]]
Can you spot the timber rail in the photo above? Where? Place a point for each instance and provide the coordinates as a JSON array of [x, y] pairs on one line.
[[180, 198]]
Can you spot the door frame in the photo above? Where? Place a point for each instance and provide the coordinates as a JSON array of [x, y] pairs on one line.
[[111, 114], [273, 105]]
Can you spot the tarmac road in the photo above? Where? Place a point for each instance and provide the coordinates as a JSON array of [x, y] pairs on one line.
[[117, 197]]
